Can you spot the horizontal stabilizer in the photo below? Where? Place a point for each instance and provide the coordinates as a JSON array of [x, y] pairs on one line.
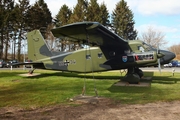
[[34, 64]]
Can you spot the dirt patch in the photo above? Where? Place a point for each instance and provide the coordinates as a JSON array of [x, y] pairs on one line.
[[104, 110]]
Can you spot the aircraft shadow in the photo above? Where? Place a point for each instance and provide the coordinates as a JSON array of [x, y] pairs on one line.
[[165, 80], [78, 75], [8, 74]]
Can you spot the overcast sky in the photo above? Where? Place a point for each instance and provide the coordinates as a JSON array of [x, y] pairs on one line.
[[162, 15]]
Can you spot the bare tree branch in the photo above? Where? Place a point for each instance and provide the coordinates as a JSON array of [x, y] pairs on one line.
[[175, 49], [154, 37]]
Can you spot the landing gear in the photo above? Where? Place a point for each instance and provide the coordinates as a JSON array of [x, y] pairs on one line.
[[133, 76]]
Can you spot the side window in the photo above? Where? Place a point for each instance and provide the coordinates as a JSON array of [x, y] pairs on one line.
[[100, 55], [141, 49]]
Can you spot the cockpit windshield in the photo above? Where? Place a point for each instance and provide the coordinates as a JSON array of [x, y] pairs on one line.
[[148, 47]]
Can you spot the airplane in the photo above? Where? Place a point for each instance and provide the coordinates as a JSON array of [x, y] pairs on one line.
[[103, 51]]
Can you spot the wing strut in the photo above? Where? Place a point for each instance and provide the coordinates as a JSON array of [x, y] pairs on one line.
[[88, 57]]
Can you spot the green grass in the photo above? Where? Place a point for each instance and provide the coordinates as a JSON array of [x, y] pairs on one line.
[[52, 87]]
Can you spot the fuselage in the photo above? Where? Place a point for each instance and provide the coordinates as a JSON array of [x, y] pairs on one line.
[[93, 59]]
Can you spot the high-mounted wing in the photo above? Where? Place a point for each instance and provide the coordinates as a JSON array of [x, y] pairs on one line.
[[94, 32]]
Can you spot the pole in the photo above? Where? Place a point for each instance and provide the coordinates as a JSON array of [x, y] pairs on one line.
[[12, 54], [12, 49], [24, 55]]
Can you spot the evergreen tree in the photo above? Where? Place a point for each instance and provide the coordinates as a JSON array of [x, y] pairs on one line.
[[104, 15], [6, 7], [19, 25], [92, 14], [46, 12], [38, 16], [79, 11], [63, 16], [35, 16], [122, 21]]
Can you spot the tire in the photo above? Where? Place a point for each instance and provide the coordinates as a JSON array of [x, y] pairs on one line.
[[139, 72]]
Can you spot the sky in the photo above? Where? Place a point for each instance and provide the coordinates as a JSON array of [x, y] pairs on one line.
[[161, 15]]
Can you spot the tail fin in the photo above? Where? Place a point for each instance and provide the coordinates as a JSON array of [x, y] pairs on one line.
[[37, 47]]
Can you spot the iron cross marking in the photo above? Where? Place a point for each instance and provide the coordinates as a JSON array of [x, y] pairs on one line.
[[66, 63]]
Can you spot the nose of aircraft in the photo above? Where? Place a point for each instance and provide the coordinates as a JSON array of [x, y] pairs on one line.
[[168, 56]]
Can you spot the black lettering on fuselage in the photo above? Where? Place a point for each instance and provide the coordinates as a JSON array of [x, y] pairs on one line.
[[146, 56]]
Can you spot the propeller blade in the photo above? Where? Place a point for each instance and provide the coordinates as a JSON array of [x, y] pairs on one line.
[[159, 54], [159, 63], [158, 49]]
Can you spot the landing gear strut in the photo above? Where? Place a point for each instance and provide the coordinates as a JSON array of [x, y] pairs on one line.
[[133, 76]]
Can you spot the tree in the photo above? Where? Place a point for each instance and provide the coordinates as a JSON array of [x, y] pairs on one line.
[[122, 21], [16, 19], [153, 37], [104, 15], [63, 16], [78, 15], [20, 25], [38, 16], [46, 12], [35, 16], [6, 7], [175, 49], [79, 11], [92, 9]]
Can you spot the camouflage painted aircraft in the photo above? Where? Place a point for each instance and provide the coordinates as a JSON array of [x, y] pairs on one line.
[[108, 51]]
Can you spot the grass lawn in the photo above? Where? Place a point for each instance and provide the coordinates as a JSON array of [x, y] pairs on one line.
[[52, 87]]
